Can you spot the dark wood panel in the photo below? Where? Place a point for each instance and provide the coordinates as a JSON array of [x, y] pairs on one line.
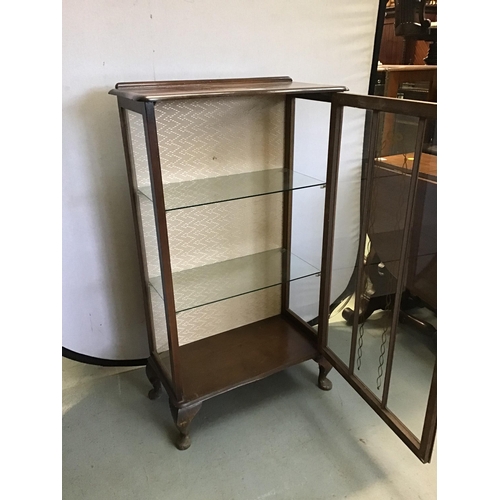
[[419, 53], [387, 105], [219, 81], [395, 49], [392, 47], [155, 174], [159, 91], [237, 357], [391, 186]]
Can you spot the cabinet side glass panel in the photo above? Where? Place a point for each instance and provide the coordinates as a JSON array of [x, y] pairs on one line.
[[310, 149], [347, 227], [148, 227]]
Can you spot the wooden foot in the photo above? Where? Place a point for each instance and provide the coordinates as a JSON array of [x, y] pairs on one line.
[[182, 419], [324, 368], [367, 307], [377, 291], [154, 393]]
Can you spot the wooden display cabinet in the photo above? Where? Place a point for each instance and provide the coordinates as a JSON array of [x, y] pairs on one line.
[[210, 167]]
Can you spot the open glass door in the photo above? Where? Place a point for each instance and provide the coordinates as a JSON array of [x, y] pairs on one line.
[[381, 332]]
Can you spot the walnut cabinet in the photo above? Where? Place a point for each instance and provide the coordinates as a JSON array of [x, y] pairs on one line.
[[212, 181]]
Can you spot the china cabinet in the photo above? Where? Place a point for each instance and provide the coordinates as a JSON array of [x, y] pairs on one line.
[[211, 172]]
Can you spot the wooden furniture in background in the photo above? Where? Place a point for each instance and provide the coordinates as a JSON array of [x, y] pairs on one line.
[[398, 49], [394, 77], [421, 279], [385, 229]]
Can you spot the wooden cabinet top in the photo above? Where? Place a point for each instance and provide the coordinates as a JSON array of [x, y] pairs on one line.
[[182, 89]]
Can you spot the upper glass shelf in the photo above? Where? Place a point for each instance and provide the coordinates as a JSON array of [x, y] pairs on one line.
[[223, 280], [231, 187]]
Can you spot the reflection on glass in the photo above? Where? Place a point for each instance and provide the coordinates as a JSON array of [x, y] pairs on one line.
[[340, 331], [231, 187], [415, 347], [304, 295], [374, 323], [413, 365], [222, 280], [399, 256]]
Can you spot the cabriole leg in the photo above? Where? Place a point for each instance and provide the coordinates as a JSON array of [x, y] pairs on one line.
[[324, 368], [183, 418], [154, 393]]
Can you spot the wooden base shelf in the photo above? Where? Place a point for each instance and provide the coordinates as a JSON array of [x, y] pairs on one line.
[[237, 357]]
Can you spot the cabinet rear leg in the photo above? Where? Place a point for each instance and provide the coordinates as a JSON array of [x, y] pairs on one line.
[[154, 393], [324, 368], [183, 418]]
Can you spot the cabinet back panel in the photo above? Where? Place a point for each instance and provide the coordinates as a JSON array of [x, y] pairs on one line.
[[222, 231], [211, 137], [219, 317]]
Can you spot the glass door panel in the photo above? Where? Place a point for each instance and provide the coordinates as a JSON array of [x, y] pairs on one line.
[[382, 329]]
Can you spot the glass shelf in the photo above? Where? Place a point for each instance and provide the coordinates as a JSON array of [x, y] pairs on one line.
[[231, 187], [214, 282]]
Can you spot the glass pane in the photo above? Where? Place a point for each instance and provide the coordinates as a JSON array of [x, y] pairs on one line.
[[371, 342], [413, 364], [347, 225], [366, 349], [222, 280], [140, 167], [397, 134], [217, 317], [415, 348], [306, 234], [397, 255], [231, 187], [310, 151]]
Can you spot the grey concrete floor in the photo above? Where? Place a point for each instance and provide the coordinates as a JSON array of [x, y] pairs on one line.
[[279, 438]]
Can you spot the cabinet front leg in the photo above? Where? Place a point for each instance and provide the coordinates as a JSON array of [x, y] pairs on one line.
[[154, 393], [324, 368], [183, 418]]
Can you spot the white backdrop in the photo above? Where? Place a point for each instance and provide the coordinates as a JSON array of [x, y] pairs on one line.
[[320, 41]]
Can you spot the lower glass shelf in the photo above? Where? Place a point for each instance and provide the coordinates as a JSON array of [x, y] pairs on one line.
[[223, 280]]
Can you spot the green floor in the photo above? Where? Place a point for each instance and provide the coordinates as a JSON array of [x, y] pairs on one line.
[[279, 438]]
